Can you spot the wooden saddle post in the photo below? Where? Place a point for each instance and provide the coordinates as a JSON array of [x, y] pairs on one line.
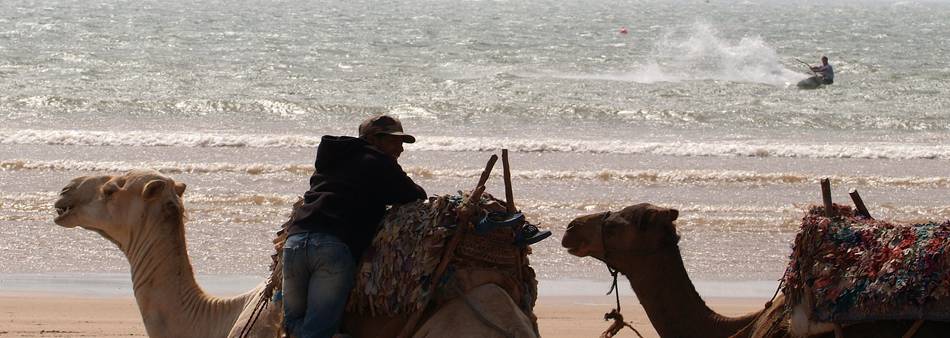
[[464, 225]]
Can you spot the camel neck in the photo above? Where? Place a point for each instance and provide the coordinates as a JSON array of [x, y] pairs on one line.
[[171, 302], [670, 299]]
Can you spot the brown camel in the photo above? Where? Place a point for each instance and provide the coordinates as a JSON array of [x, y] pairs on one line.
[[641, 242], [142, 213]]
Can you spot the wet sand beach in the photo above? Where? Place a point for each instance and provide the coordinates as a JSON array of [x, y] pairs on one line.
[[48, 315]]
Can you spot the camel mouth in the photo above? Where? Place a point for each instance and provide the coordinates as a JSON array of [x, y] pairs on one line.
[[574, 244], [63, 211], [62, 214], [574, 247], [579, 246]]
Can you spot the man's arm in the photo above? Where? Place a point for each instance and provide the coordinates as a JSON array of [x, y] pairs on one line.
[[397, 187]]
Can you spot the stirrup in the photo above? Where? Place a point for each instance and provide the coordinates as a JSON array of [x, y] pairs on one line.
[[493, 220]]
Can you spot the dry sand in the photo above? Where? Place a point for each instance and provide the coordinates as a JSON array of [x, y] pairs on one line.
[[63, 316]]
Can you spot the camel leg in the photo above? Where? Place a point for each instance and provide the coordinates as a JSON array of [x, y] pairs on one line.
[[913, 329]]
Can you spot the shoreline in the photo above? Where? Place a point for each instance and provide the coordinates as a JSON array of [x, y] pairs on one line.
[[118, 284], [56, 315]]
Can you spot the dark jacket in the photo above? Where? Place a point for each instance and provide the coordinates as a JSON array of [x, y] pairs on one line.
[[349, 191]]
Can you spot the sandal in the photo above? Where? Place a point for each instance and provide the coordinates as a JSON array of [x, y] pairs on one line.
[[493, 220], [530, 234]]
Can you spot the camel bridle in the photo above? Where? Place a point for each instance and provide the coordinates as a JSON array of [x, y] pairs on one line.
[[615, 315]]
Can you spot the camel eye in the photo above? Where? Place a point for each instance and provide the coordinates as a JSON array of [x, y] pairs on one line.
[[571, 225]]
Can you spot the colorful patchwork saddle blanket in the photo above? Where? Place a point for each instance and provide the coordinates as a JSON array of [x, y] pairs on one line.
[[395, 276], [851, 268]]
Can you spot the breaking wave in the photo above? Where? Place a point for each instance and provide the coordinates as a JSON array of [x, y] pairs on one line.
[[636, 177], [865, 150], [36, 206], [164, 167], [137, 138]]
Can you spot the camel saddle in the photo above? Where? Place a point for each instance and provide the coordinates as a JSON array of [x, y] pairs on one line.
[[851, 268], [395, 274]]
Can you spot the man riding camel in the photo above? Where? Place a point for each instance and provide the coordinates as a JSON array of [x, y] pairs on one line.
[[355, 179]]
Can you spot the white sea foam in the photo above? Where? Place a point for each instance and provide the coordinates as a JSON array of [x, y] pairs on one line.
[[37, 206], [409, 111], [754, 148], [699, 53], [154, 139], [165, 167], [878, 150], [636, 177]]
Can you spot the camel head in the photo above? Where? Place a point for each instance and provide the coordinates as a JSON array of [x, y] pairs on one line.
[[639, 229], [114, 205]]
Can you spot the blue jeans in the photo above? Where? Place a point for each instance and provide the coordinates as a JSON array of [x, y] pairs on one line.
[[318, 276]]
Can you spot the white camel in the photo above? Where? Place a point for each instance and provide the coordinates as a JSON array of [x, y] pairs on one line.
[[143, 214]]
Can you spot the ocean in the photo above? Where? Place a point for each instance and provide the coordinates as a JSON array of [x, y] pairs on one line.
[[695, 108]]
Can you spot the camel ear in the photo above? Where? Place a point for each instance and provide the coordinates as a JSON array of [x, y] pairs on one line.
[[638, 215], [663, 215], [110, 188], [672, 214], [180, 188], [153, 189]]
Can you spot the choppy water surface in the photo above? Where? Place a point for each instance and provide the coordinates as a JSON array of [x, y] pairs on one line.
[[695, 108]]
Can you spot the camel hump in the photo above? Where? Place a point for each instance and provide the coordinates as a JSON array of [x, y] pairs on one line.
[[487, 303], [395, 274]]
